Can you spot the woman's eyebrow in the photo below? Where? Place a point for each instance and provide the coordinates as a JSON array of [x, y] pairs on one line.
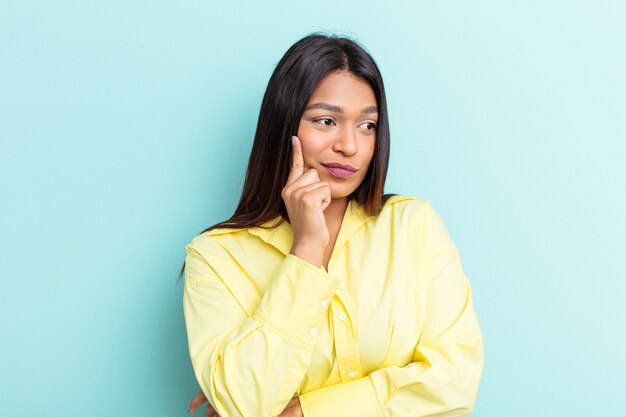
[[337, 109]]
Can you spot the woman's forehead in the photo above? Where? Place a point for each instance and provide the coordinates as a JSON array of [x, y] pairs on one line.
[[339, 91]]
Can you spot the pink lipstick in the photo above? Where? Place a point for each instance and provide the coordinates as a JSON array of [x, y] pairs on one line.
[[340, 170]]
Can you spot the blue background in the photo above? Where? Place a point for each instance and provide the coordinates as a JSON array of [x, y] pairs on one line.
[[126, 128]]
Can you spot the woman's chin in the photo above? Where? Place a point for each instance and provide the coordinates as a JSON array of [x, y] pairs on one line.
[[338, 193]]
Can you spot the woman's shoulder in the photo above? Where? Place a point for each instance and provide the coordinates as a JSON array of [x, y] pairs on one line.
[[404, 204], [417, 214], [222, 240], [215, 240]]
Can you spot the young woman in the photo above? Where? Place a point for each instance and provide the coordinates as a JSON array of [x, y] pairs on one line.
[[322, 296]]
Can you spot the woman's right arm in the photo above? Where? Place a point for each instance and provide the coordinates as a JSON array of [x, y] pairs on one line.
[[253, 365]]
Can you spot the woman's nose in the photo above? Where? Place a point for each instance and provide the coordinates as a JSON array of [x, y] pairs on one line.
[[346, 141]]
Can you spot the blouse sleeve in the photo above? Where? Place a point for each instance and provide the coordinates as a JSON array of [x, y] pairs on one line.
[[250, 365], [444, 375]]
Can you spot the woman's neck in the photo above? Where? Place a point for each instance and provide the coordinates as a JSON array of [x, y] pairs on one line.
[[335, 211]]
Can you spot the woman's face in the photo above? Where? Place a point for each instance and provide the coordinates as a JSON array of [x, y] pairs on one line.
[[339, 125]]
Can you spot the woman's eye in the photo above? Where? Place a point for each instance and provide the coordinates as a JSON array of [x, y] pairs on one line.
[[370, 125], [323, 121]]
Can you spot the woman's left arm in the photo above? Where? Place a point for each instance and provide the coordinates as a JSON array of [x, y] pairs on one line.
[[292, 409], [444, 376]]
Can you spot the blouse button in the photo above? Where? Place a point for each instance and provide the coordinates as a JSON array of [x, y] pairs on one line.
[[313, 331], [342, 316], [351, 374], [324, 303]]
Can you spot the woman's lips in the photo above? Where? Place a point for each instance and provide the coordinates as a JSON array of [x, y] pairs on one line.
[[341, 173]]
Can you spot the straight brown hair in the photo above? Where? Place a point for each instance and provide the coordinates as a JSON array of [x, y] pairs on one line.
[[289, 89]]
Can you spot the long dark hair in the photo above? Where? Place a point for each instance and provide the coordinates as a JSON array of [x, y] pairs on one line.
[[289, 89]]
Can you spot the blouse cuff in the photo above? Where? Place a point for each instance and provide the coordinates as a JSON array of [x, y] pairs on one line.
[[350, 398]]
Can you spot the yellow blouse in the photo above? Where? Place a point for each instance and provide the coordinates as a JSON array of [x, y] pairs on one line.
[[388, 330]]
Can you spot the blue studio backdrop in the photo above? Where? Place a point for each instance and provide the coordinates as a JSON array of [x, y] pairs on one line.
[[125, 129]]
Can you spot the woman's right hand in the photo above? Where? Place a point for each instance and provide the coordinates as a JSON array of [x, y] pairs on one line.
[[306, 198]]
